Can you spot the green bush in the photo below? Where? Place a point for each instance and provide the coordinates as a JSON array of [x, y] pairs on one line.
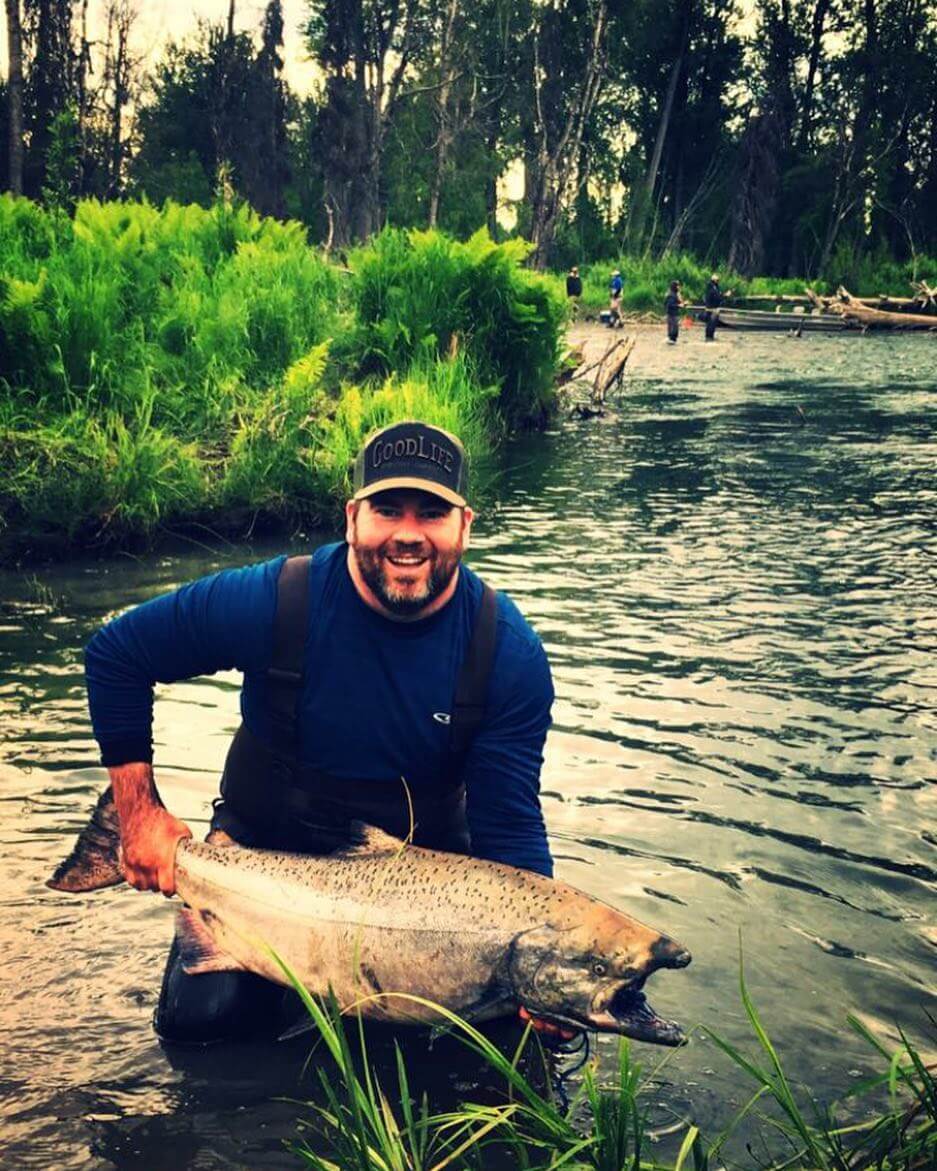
[[183, 295], [160, 364], [418, 295], [96, 478]]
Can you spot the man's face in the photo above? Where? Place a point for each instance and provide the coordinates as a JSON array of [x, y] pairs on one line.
[[407, 546]]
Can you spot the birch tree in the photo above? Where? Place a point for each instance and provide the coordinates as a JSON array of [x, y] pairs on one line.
[[15, 96], [568, 71]]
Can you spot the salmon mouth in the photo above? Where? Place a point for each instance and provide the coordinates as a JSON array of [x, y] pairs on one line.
[[624, 1009], [627, 1011]]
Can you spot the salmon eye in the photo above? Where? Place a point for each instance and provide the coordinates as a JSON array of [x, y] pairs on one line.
[[598, 968]]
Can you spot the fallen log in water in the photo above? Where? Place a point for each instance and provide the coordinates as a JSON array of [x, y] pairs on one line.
[[856, 313], [880, 301], [609, 372], [612, 375]]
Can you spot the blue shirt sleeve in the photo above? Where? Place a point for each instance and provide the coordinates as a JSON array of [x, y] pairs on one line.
[[218, 623], [502, 773]]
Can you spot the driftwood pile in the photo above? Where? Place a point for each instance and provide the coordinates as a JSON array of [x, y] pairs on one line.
[[925, 297], [607, 375], [859, 313]]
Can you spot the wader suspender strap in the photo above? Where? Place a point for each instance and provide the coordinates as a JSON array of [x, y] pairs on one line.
[[471, 690], [285, 673]]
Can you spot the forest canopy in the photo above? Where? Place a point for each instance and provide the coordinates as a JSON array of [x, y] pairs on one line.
[[786, 137]]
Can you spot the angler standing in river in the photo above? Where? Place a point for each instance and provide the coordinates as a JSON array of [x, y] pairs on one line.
[[673, 303], [383, 682], [712, 299]]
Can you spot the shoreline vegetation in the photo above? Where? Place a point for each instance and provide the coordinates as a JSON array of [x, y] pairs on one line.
[[183, 365], [886, 1121], [174, 368], [646, 281]]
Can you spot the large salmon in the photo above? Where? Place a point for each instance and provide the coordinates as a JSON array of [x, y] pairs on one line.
[[378, 917]]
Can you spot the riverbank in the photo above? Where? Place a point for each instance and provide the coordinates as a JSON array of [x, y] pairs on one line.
[[646, 281], [183, 366]]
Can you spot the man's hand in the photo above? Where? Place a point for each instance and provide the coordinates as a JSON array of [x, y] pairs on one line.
[[547, 1028], [149, 833]]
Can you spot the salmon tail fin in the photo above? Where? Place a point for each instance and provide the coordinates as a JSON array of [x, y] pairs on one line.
[[94, 862]]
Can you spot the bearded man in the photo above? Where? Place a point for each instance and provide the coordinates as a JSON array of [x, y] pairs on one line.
[[383, 682]]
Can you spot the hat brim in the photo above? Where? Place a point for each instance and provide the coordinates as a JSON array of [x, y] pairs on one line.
[[421, 485]]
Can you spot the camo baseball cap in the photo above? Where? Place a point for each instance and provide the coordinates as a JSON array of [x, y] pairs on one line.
[[411, 454]]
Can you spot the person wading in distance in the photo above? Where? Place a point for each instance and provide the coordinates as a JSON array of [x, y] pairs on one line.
[[383, 682], [673, 303], [712, 299]]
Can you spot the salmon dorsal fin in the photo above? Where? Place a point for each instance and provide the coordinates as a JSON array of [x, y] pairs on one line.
[[368, 839]]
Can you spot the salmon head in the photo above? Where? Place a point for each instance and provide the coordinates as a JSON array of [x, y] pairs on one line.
[[591, 974]]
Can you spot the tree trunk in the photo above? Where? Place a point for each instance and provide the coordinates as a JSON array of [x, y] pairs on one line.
[[557, 161], [491, 183], [638, 216], [347, 159], [51, 79], [444, 131], [849, 187], [15, 96], [813, 65], [756, 192], [121, 96]]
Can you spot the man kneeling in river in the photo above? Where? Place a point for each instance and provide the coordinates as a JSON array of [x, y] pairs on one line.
[[383, 681]]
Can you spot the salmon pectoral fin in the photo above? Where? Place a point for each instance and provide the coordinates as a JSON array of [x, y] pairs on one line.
[[197, 948], [94, 862]]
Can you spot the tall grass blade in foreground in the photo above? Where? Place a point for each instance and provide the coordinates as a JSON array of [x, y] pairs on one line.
[[904, 1138], [361, 1126]]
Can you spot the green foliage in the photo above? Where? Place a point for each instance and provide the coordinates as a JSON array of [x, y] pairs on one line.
[[902, 1138], [270, 464], [187, 362], [647, 280], [125, 294], [139, 349], [96, 478], [420, 294], [361, 1124]]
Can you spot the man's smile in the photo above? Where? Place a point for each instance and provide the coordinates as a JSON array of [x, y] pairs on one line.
[[407, 560]]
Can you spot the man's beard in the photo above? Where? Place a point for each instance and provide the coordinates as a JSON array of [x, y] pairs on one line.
[[393, 598]]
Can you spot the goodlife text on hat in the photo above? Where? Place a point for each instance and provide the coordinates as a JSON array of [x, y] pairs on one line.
[[410, 448]]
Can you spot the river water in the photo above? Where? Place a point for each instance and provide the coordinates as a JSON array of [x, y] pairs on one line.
[[734, 576]]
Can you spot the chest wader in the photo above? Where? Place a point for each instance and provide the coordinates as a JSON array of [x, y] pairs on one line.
[[272, 800]]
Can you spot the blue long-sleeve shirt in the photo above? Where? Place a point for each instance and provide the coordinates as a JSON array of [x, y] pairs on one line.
[[376, 694]]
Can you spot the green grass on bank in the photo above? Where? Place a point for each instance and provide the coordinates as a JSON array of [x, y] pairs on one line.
[[647, 281], [166, 366], [361, 1123], [182, 365]]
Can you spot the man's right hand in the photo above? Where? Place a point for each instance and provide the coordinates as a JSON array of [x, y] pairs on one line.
[[149, 833]]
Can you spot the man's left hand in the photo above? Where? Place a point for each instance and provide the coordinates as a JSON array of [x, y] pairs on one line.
[[546, 1028]]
